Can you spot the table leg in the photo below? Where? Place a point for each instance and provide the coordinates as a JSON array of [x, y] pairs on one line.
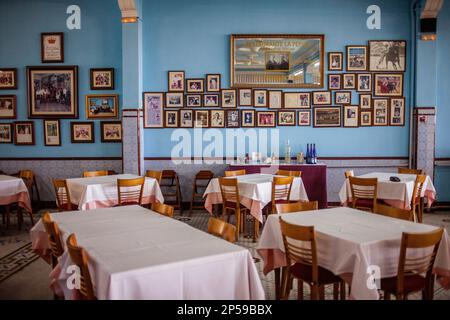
[[277, 283]]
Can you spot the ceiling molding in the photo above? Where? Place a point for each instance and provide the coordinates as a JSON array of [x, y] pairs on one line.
[[431, 9], [128, 8]]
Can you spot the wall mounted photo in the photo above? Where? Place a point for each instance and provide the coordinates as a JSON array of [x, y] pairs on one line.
[[277, 61], [217, 118], [6, 133], [111, 131], [321, 98], [365, 101], [201, 118], [365, 118], [52, 92], [101, 106], [8, 78], [388, 85], [23, 133], [351, 116], [82, 132], [364, 82], [153, 109], [232, 118], [8, 106], [52, 133], [343, 97], [102, 79], [52, 47], [247, 118], [213, 83], [194, 100], [304, 118], [286, 118], [335, 61], [325, 117], [334, 82], [228, 98], [245, 97], [349, 81], [380, 111], [397, 112], [297, 100], [266, 118], [356, 58], [387, 55], [171, 119], [260, 98], [195, 85], [275, 99], [186, 118], [174, 100], [176, 81]]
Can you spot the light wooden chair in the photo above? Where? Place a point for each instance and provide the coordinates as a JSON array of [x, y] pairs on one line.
[[163, 209], [417, 201], [289, 173], [222, 229], [302, 263], [235, 173], [410, 171], [99, 173], [297, 206], [281, 191], [232, 202], [62, 196], [364, 192], [80, 258], [349, 173], [130, 191], [171, 189], [29, 178], [54, 239], [414, 273], [201, 181], [154, 174], [393, 212]]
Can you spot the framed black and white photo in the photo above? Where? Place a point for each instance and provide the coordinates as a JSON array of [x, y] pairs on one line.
[[245, 97], [217, 118], [397, 112], [380, 111], [8, 106], [174, 100], [52, 47], [232, 117], [213, 83], [102, 78], [6, 133], [229, 98], [365, 118], [364, 82], [365, 101], [348, 81], [186, 118], [171, 118], [247, 118], [52, 133], [211, 100], [335, 61], [175, 81], [260, 98], [327, 117], [195, 85], [24, 133], [201, 118], [387, 55], [193, 100], [351, 116], [8, 78]]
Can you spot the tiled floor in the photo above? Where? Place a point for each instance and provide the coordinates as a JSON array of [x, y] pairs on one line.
[[31, 282]]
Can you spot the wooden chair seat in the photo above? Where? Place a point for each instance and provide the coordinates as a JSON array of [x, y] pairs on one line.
[[412, 283], [68, 207], [362, 203], [304, 271]]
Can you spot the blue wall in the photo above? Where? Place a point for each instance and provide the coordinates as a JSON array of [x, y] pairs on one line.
[[194, 36], [97, 44]]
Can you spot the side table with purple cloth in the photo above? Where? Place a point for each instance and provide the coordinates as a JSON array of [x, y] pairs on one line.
[[314, 177]]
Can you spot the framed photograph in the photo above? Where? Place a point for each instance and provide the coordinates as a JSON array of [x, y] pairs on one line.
[[266, 118], [102, 106], [52, 47], [24, 133], [334, 82], [8, 78], [102, 79], [275, 99], [175, 81], [297, 100], [388, 85], [274, 60], [171, 119], [247, 118], [304, 118], [195, 85], [213, 83], [286, 118], [6, 133], [211, 100], [153, 109], [52, 133], [335, 61], [397, 112], [82, 132], [387, 55], [186, 118], [325, 117], [380, 111], [194, 100], [343, 97], [233, 120], [245, 97], [356, 58], [111, 131], [52, 92], [201, 118], [351, 116], [321, 98], [217, 118], [365, 101], [364, 82], [228, 98], [8, 106], [260, 98], [174, 100], [365, 118], [349, 81]]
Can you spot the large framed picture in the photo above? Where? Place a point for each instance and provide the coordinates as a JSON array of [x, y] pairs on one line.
[[286, 118], [304, 118], [101, 106], [213, 83], [387, 55], [229, 98], [277, 61], [6, 133], [111, 131], [260, 98], [186, 118], [174, 100], [8, 106], [245, 97], [247, 118], [351, 116], [52, 47], [232, 118], [325, 117], [388, 85], [52, 92], [297, 100], [24, 133], [335, 61], [102, 78], [201, 118], [153, 109], [211, 100], [356, 58], [397, 112], [52, 133], [171, 119], [8, 78], [217, 118], [380, 111], [321, 98], [266, 118], [82, 132], [175, 81]]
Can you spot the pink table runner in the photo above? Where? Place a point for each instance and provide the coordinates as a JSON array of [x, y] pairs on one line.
[[14, 190]]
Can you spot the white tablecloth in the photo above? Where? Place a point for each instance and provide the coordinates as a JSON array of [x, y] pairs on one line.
[[98, 192], [349, 241], [398, 194], [13, 189], [135, 253], [255, 191]]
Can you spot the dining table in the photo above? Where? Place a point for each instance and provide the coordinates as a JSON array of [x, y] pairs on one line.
[[14, 190]]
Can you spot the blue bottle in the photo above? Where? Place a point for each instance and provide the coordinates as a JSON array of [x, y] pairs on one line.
[[314, 154]]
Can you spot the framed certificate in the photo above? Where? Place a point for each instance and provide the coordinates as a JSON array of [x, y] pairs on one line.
[[52, 47]]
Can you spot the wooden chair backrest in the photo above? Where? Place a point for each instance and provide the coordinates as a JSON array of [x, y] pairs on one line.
[[289, 173], [130, 191], [163, 209], [297, 206], [393, 212], [363, 188], [99, 173], [409, 171], [349, 173], [230, 190], [222, 229], [154, 174], [62, 194], [204, 175], [53, 235], [28, 177], [418, 186], [234, 173], [281, 189]]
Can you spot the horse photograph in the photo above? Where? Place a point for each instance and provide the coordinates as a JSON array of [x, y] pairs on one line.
[[387, 55]]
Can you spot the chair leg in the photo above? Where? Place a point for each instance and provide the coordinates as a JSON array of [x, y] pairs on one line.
[[19, 218], [387, 295], [336, 291], [238, 223], [256, 230], [7, 212], [314, 292], [299, 289], [322, 292], [342, 289], [31, 218], [278, 284]]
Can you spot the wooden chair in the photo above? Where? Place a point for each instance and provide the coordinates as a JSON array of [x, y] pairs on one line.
[[130, 191], [410, 171], [29, 179], [281, 191], [111, 173], [349, 173], [62, 196], [235, 173], [414, 274], [393, 212], [302, 263], [171, 190], [288, 173], [99, 173], [80, 258], [364, 192], [417, 201], [222, 229], [297, 206], [201, 181], [232, 202], [154, 174], [54, 238], [163, 209]]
